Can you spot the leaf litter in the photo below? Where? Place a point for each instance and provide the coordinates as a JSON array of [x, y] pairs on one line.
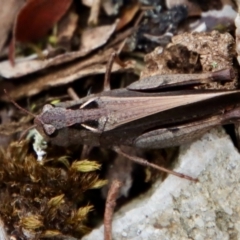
[[57, 197]]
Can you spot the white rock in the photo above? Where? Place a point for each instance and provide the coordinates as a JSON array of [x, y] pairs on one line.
[[180, 209]]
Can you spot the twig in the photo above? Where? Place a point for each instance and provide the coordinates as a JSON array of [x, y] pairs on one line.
[[106, 85], [72, 94], [109, 208]]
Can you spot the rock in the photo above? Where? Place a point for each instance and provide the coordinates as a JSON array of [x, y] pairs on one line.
[[180, 209]]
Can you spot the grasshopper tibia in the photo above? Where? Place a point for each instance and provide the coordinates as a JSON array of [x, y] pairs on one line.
[[173, 80], [144, 162]]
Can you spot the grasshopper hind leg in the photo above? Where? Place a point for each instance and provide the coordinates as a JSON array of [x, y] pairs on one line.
[[144, 162]]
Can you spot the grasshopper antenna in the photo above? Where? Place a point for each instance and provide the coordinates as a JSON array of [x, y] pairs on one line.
[[18, 106], [25, 111]]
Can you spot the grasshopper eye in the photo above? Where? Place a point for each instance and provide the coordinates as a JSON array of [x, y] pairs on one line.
[[47, 107], [49, 129]]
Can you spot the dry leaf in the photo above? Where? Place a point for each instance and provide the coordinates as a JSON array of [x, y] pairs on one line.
[[8, 12], [58, 78], [66, 74], [66, 28], [93, 38], [25, 66], [127, 15], [37, 17]]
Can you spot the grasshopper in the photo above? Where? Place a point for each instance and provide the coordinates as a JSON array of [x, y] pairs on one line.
[[141, 116]]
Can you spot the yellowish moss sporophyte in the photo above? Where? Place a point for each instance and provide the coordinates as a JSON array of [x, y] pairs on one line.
[[45, 200]]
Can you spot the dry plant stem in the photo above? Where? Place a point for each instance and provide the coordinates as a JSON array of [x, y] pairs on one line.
[[95, 9], [120, 48], [109, 208], [72, 94], [85, 151], [11, 52], [144, 162], [127, 33], [139, 19], [106, 86], [116, 58], [121, 36]]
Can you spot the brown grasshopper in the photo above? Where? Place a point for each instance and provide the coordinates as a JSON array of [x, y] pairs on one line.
[[136, 116]]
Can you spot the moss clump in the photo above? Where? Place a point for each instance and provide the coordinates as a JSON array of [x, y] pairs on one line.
[[43, 201]]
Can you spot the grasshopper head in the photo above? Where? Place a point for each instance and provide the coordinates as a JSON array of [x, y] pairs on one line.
[[40, 121]]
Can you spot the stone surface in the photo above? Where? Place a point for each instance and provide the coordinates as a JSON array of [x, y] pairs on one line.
[[180, 209]]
